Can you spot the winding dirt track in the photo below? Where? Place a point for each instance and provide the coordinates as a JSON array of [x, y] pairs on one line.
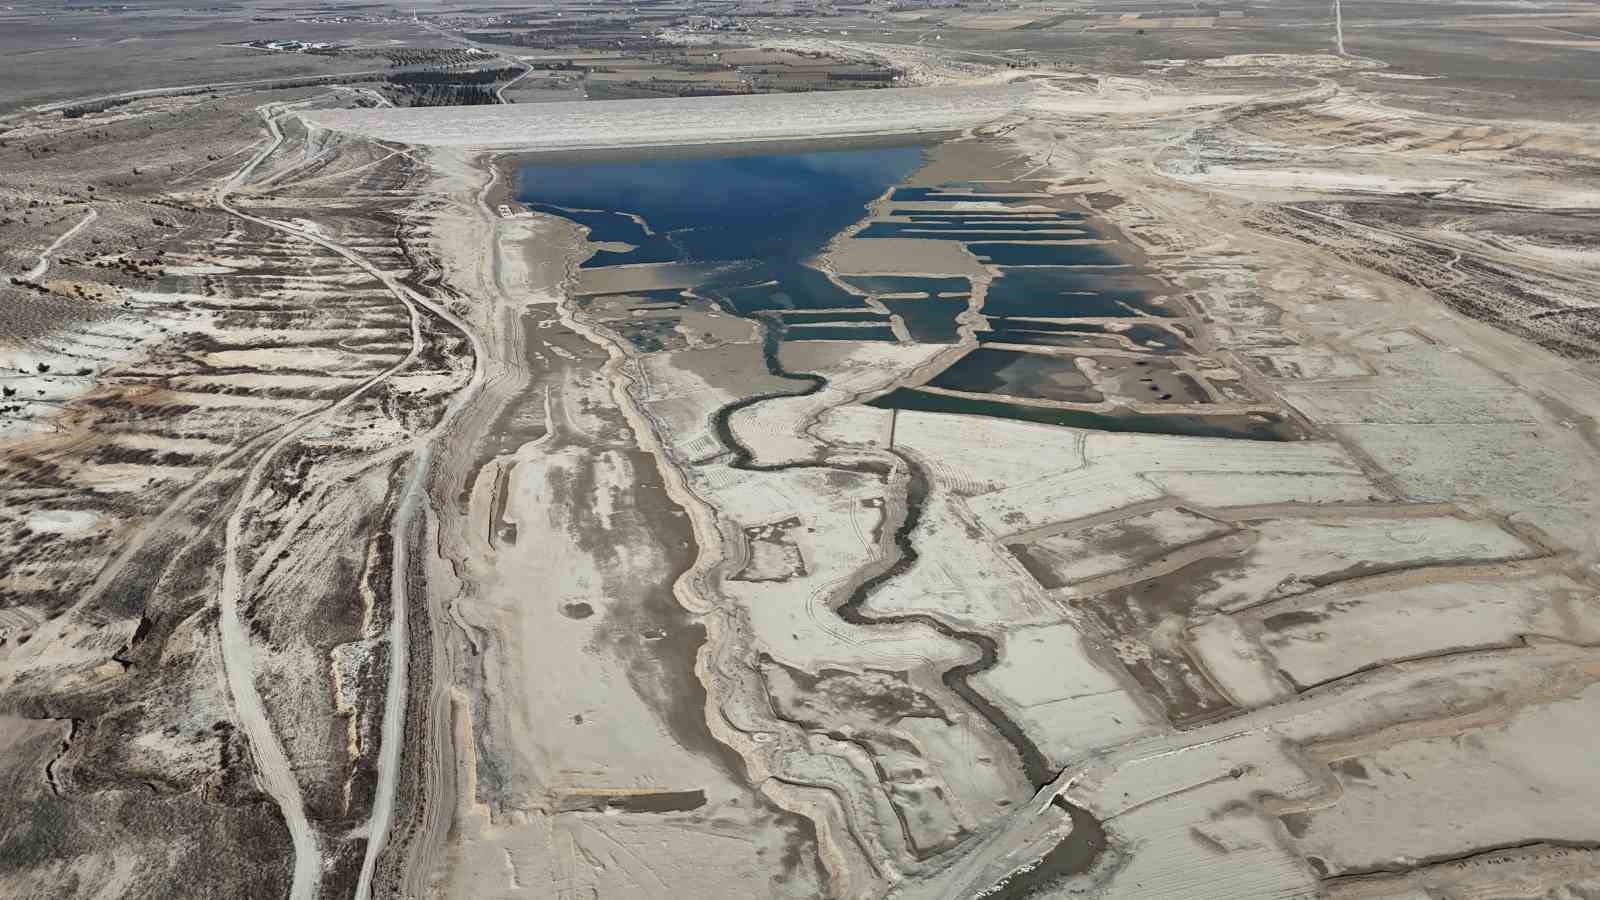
[[238, 653], [500, 92], [43, 264], [399, 631], [411, 874]]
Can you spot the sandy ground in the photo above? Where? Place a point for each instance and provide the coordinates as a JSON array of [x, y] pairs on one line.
[[352, 555], [576, 700], [1275, 534]]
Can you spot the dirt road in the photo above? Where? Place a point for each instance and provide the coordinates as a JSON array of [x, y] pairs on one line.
[[238, 653], [39, 268]]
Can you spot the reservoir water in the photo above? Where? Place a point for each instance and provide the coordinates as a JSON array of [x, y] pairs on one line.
[[776, 209], [752, 221]]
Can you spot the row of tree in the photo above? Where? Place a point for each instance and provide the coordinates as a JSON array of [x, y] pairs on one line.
[[475, 76], [444, 95]]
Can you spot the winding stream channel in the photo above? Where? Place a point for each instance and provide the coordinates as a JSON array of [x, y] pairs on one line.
[[1078, 851]]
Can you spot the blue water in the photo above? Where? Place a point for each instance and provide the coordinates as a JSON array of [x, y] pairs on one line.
[[797, 318], [780, 284], [840, 333], [909, 284], [781, 207], [1068, 293], [998, 225], [766, 215], [1061, 334], [991, 215], [1032, 375], [1045, 254], [929, 321], [1046, 338], [602, 225], [970, 233], [774, 211], [942, 195]]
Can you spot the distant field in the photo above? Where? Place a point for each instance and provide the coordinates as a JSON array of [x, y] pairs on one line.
[[55, 56]]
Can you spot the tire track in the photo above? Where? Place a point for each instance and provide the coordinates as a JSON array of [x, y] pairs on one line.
[[238, 653], [40, 267]]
